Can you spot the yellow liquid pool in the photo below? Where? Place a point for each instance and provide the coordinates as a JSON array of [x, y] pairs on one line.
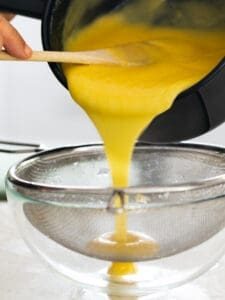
[[122, 101]]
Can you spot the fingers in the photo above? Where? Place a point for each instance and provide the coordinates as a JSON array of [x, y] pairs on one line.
[[12, 41], [8, 16]]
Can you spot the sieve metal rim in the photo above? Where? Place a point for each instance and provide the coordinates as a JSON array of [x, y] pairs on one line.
[[14, 179]]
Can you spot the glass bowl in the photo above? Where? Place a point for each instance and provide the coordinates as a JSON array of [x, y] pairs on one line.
[[10, 153], [62, 200]]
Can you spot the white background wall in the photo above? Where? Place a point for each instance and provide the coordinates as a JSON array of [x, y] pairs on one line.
[[34, 107]]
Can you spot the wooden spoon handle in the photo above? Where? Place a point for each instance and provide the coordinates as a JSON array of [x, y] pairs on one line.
[[84, 57]]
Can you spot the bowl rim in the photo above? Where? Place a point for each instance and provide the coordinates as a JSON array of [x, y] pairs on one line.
[[14, 179]]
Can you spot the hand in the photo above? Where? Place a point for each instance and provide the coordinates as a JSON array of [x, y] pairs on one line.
[[11, 40]]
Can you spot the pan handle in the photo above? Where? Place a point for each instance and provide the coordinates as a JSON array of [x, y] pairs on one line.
[[28, 8]]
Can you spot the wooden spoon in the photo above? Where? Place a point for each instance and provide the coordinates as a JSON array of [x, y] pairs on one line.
[[133, 54]]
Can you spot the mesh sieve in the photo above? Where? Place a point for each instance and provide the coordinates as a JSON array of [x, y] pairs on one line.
[[176, 197]]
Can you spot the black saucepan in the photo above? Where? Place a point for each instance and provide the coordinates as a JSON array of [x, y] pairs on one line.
[[194, 112]]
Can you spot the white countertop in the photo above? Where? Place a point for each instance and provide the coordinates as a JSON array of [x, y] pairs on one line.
[[23, 277]]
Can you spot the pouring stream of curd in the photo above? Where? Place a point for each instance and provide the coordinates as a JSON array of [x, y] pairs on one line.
[[122, 101]]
